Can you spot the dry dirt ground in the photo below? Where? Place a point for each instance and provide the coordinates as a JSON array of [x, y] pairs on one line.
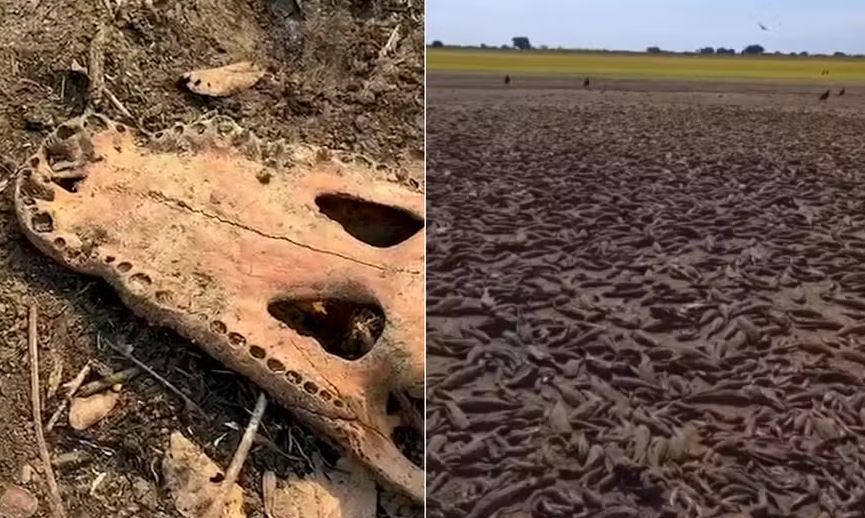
[[325, 85], [644, 299]]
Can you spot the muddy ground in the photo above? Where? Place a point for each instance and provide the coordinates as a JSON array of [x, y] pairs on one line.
[[644, 299], [325, 85]]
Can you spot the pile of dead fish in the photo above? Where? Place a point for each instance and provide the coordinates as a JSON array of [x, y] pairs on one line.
[[625, 322]]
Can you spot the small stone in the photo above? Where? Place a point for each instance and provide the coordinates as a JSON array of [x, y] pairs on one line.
[[144, 492], [17, 502], [26, 475], [193, 480], [87, 411]]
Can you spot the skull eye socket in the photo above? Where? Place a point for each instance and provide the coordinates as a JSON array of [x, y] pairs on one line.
[[345, 328], [381, 226]]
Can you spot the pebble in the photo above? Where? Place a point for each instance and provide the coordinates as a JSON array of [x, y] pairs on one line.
[[26, 475], [17, 502]]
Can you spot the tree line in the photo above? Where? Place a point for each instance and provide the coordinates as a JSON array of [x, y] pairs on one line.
[[523, 43]]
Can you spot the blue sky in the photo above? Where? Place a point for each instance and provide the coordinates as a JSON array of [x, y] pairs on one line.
[[794, 25]]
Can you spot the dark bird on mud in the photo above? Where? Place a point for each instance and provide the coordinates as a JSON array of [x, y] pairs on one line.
[[586, 83], [842, 92], [762, 26], [825, 95], [507, 79]]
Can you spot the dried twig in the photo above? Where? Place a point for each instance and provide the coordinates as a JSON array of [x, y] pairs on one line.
[[73, 387], [96, 66], [146, 368], [117, 104], [56, 501], [391, 43], [109, 381], [217, 507]]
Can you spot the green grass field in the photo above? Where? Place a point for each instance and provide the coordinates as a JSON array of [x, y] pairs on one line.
[[663, 66]]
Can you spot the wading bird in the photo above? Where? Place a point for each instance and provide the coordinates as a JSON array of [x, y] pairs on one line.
[[825, 95], [586, 83], [507, 79], [842, 92], [762, 26]]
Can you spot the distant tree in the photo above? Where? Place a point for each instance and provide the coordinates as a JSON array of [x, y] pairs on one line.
[[483, 45], [753, 49], [521, 42], [803, 53], [545, 47], [505, 47], [653, 50], [437, 44], [792, 54], [707, 50], [839, 54], [722, 50]]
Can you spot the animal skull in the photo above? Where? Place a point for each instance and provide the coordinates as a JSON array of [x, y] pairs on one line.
[[299, 268]]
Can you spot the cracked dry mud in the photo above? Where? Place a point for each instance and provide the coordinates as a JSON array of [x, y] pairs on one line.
[[644, 307], [293, 265]]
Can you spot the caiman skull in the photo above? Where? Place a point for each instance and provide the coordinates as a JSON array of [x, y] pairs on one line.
[[298, 267]]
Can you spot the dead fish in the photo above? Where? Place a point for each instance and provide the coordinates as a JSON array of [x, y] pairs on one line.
[[720, 397], [644, 339], [571, 396], [587, 336], [472, 452], [461, 377], [618, 511], [716, 325], [607, 392], [456, 416], [708, 316], [642, 438], [485, 405], [477, 334], [646, 371], [558, 418], [752, 332], [856, 329], [815, 348], [506, 495], [526, 376], [852, 356]]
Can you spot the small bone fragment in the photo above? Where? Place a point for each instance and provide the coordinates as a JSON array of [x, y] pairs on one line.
[[222, 81]]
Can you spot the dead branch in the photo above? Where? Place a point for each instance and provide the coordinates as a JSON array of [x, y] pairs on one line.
[[73, 387], [96, 66], [146, 368], [54, 491], [117, 104], [217, 507], [391, 43], [109, 381]]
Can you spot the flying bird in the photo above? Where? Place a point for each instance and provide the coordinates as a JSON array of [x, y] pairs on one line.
[[842, 92], [507, 79], [586, 83], [825, 95], [762, 26]]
